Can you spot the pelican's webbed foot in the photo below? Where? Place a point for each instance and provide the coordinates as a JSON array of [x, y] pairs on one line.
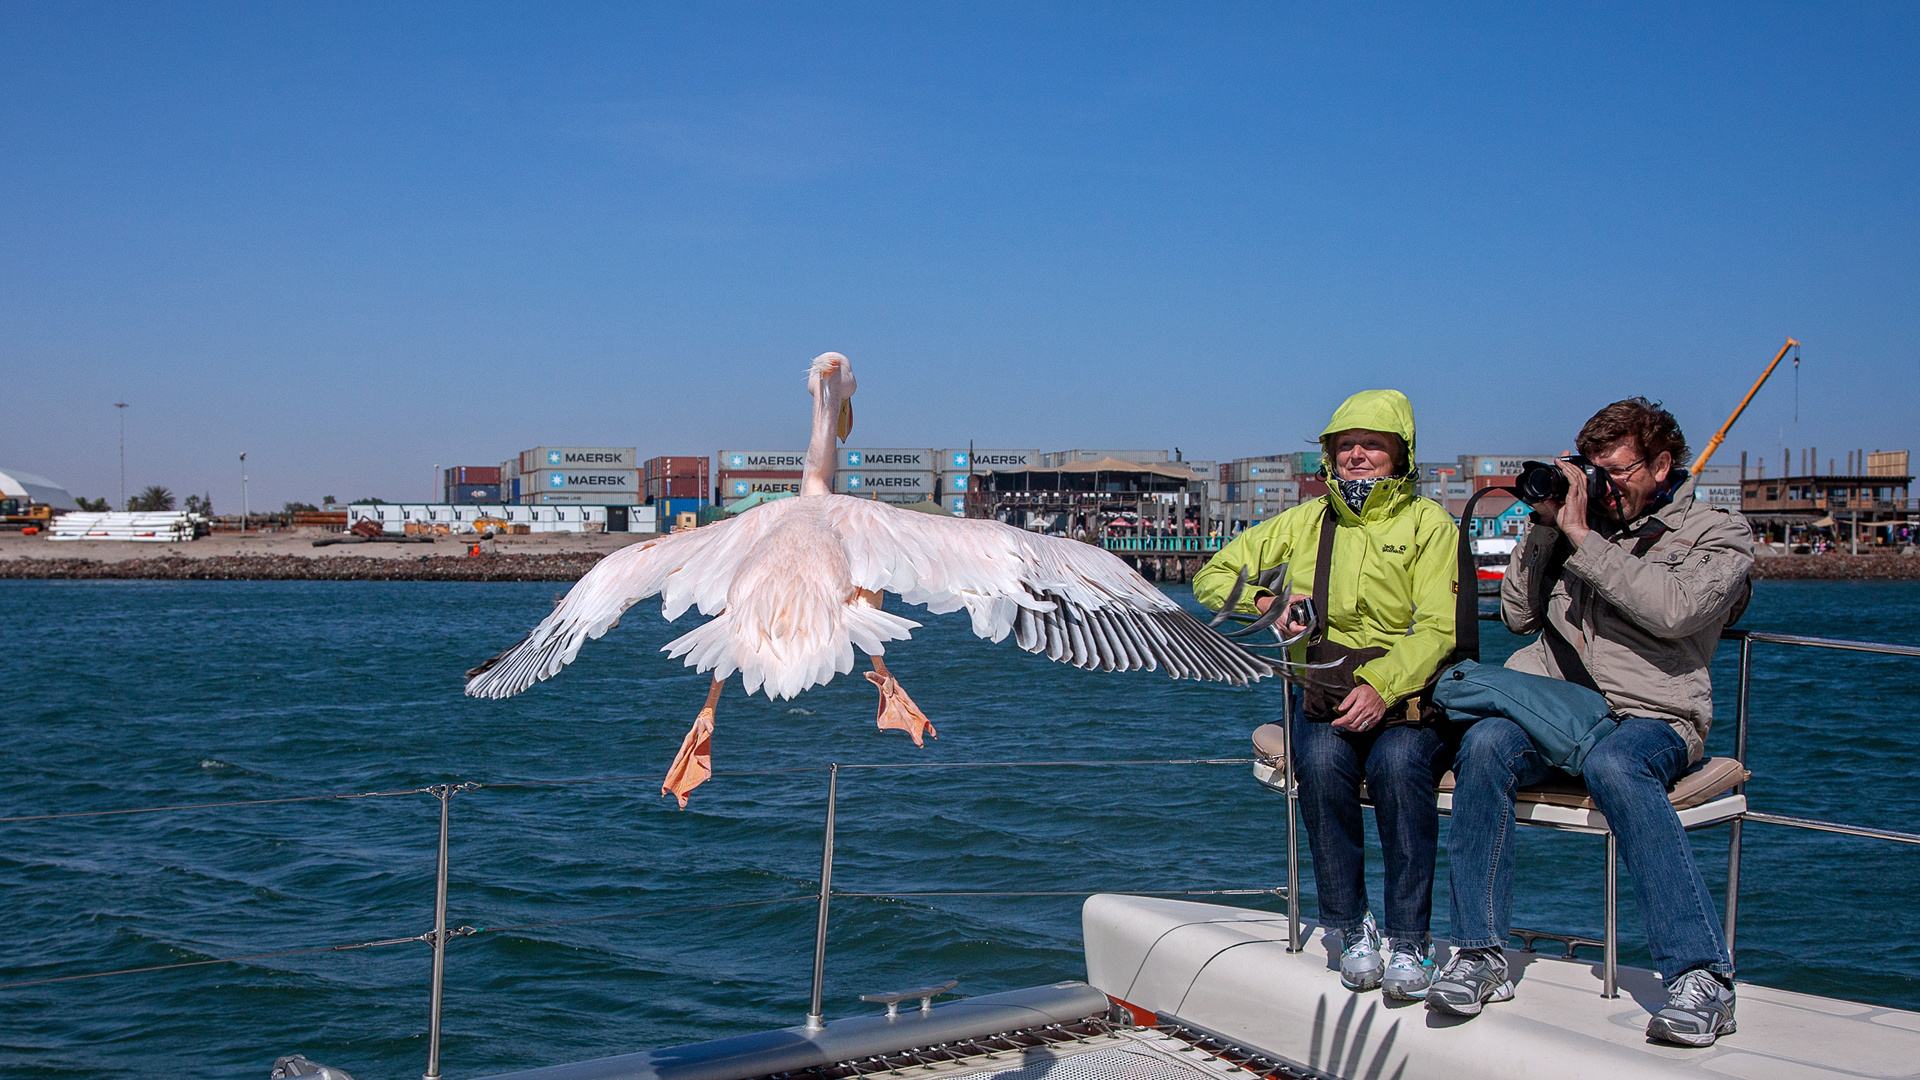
[[897, 710], [693, 765]]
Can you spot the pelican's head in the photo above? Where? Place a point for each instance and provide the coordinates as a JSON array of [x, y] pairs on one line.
[[830, 381]]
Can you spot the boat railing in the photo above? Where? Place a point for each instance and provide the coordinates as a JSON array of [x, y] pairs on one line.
[[444, 794], [1167, 544], [438, 937]]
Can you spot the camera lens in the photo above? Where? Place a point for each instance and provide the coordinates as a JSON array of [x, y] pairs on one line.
[[1539, 481]]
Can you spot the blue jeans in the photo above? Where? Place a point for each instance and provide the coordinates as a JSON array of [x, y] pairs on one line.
[[1628, 773], [1401, 765]]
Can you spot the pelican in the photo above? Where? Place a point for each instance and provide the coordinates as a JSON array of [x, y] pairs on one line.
[[795, 585]]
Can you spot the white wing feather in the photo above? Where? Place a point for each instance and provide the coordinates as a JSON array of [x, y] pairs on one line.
[[789, 623], [1077, 603]]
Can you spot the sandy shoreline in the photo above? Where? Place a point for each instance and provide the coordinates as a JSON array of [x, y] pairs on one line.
[[291, 556]]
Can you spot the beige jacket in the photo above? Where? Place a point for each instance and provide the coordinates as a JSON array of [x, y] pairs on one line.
[[1645, 627]]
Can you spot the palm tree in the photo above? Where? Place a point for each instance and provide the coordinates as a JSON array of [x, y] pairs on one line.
[[154, 498]]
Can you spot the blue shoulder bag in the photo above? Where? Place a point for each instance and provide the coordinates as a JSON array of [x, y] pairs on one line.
[[1564, 720]]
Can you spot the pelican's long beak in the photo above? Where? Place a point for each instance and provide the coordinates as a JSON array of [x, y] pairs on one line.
[[845, 427]]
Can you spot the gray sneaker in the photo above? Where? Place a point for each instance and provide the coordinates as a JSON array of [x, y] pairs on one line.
[[1699, 1009], [1472, 978], [1410, 969], [1360, 962]]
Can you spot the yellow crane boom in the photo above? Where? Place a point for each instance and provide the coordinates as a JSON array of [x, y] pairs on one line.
[[1714, 443]]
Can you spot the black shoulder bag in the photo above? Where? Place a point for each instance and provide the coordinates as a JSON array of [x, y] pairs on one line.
[[1323, 689]]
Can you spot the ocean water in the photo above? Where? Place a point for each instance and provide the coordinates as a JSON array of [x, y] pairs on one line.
[[135, 694]]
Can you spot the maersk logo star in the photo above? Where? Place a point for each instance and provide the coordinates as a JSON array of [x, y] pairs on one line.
[[553, 457], [556, 479], [853, 459], [959, 461], [736, 461], [853, 481]]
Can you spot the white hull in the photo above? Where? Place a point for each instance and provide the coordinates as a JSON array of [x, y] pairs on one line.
[[1227, 970]]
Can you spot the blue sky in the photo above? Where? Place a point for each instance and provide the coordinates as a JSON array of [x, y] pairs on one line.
[[357, 241]]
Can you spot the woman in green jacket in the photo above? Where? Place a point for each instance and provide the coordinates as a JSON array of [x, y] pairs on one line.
[[1390, 599]]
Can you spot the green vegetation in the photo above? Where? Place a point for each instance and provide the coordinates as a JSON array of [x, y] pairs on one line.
[[92, 506], [200, 504], [155, 498]]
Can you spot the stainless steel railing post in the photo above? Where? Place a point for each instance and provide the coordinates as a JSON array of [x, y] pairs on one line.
[[1293, 834], [1740, 754], [816, 1019], [443, 792], [1610, 964]]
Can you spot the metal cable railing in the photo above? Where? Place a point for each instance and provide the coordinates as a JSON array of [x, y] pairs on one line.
[[825, 894], [441, 934]]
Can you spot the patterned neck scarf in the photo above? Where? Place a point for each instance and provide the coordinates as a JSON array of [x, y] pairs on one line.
[[1355, 492]]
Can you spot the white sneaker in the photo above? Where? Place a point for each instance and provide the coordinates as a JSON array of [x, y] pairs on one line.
[[1410, 969], [1361, 964]]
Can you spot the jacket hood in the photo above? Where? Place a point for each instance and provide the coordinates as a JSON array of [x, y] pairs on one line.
[[1374, 410]]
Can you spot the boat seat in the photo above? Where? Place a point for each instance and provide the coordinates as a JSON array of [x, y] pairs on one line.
[[1707, 780]]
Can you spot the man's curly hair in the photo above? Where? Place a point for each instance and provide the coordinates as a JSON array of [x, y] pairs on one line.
[[1651, 427]]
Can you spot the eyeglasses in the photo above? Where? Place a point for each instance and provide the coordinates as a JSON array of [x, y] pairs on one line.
[[1621, 472]]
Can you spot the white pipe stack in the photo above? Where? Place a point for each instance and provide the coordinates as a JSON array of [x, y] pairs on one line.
[[153, 527]]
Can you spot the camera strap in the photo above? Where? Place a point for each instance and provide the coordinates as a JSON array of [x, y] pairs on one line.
[[1466, 585], [1565, 656]]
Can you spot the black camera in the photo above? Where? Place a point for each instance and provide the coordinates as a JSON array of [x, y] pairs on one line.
[[1541, 480]]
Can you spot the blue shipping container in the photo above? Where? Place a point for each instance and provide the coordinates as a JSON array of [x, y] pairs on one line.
[[671, 508], [474, 493]]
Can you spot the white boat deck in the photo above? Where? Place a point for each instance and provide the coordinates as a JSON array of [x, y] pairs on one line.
[[1227, 970]]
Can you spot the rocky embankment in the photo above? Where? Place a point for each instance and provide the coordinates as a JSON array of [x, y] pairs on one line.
[[567, 566], [1837, 567]]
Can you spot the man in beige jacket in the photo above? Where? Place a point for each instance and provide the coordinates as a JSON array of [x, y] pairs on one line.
[[1628, 597]]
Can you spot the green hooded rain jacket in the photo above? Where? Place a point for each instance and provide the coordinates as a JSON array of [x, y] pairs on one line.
[[1395, 563]]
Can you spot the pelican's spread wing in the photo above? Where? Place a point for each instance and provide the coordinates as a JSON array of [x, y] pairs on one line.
[[1077, 603], [594, 604]]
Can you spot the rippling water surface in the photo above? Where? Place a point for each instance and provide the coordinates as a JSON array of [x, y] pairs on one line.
[[134, 694]]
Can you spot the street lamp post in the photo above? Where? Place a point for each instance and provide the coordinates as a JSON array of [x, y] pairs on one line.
[[122, 407], [433, 488], [243, 491]]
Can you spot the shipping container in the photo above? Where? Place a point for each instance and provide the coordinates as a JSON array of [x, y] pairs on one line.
[[570, 457], [740, 485], [881, 459], [581, 498], [461, 475], [657, 467], [676, 487], [762, 460], [911, 486], [474, 493], [670, 509], [612, 481], [987, 460], [1478, 465]]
